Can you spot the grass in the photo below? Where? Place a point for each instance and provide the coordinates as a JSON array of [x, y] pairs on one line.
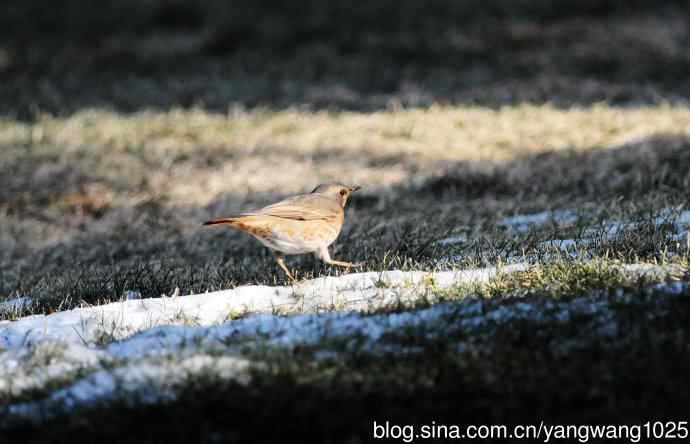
[[144, 119], [98, 231], [561, 279]]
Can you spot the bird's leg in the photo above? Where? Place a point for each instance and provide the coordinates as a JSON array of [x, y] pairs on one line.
[[280, 258], [325, 256]]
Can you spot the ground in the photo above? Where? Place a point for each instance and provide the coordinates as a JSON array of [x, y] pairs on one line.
[[525, 170]]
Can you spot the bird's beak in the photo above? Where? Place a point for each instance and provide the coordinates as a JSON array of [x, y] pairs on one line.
[[354, 188]]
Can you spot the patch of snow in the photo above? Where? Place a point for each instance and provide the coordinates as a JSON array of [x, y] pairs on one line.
[[609, 230], [15, 305], [684, 218], [561, 244], [681, 237], [138, 383], [653, 270], [614, 228], [60, 361], [527, 221], [567, 244], [672, 288], [449, 261], [354, 292], [132, 295], [452, 240]]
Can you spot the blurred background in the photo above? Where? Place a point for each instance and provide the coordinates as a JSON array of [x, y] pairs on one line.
[[64, 56], [124, 124]]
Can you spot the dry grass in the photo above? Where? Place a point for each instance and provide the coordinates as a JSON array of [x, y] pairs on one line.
[[194, 157], [99, 202]]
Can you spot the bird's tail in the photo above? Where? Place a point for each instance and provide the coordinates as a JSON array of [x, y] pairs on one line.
[[229, 220]]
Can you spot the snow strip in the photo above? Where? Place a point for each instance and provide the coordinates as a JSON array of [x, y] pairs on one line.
[[353, 292], [135, 384]]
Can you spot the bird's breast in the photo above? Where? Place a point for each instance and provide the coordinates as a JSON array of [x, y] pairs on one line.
[[297, 237]]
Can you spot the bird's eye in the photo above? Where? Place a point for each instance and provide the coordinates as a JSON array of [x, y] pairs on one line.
[[343, 192]]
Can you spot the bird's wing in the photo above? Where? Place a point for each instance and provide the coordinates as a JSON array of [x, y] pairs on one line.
[[304, 207]]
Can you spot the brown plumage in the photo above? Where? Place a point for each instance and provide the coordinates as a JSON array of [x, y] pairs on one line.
[[307, 223]]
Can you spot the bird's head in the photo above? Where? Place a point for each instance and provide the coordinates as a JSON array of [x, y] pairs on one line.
[[338, 191]]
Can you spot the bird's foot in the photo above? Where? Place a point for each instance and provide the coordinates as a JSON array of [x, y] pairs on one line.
[[346, 265]]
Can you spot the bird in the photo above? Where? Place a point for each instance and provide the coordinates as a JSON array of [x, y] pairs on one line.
[[306, 223]]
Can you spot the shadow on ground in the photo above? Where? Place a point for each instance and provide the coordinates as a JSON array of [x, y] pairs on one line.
[[131, 55]]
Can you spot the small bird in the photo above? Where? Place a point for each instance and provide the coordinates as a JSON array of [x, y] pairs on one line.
[[307, 223]]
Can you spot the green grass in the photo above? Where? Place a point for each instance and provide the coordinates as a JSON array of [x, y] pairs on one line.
[[561, 279]]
